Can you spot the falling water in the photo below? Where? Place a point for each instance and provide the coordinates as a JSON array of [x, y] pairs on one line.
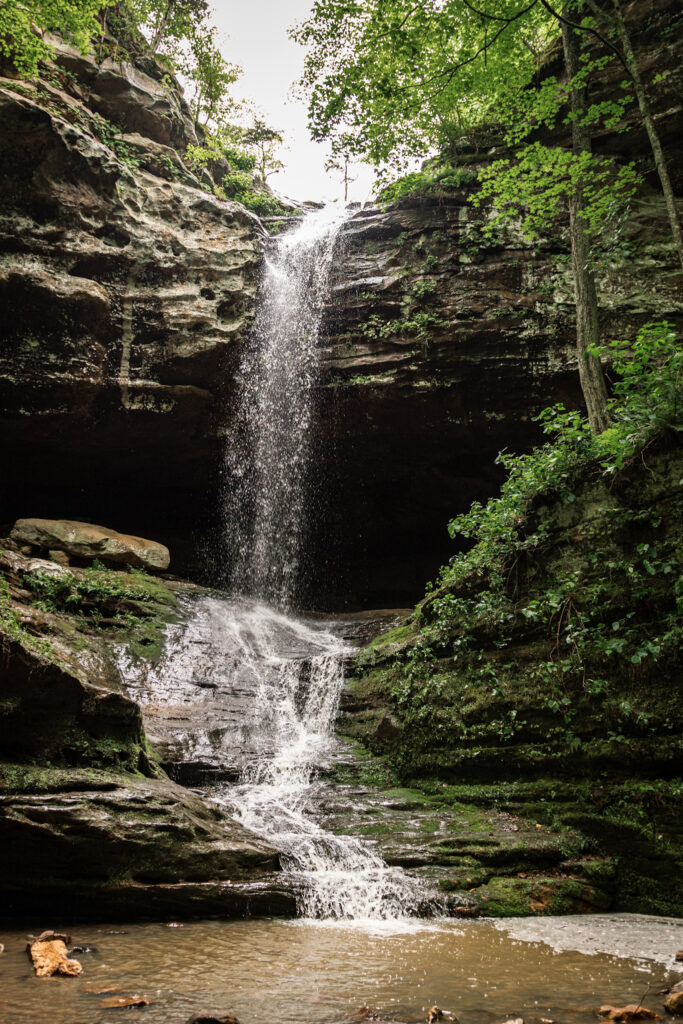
[[296, 670], [270, 448], [292, 670]]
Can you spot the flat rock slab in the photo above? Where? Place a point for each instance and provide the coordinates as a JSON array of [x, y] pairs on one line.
[[51, 957], [85, 540], [123, 1002]]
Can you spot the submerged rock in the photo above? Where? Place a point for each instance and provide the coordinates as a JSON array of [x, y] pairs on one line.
[[123, 1002], [227, 1018], [85, 540], [633, 1011], [674, 1002]]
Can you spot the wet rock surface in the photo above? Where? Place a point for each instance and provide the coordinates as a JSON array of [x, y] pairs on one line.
[[90, 825], [440, 347], [49, 956]]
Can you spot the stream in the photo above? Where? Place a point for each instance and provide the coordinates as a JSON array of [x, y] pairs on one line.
[[305, 972]]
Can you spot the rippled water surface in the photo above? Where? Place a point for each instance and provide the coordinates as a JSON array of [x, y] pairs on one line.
[[302, 972]]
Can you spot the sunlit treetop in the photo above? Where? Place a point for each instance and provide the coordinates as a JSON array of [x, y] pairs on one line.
[[395, 77]]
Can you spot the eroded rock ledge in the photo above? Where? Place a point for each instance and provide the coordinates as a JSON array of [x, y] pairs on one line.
[[126, 290], [90, 825]]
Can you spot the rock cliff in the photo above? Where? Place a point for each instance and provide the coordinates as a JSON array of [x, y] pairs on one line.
[[126, 290], [547, 697], [443, 344]]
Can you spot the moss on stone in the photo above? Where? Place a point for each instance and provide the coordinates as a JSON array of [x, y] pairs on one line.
[[473, 702]]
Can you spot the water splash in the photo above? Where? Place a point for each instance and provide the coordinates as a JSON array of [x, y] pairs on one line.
[[270, 447], [293, 713]]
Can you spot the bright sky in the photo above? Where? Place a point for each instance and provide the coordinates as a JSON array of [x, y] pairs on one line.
[[253, 34]]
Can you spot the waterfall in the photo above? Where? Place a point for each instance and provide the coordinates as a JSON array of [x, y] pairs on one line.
[[296, 671], [270, 447], [270, 681]]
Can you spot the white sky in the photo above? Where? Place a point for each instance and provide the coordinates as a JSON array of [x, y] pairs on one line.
[[253, 34]]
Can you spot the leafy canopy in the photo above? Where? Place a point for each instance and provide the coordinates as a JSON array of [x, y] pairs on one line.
[[394, 78]]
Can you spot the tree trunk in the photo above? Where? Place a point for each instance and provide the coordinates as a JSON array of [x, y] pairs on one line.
[[585, 292], [646, 113], [159, 34]]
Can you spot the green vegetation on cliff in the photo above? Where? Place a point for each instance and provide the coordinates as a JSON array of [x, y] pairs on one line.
[[541, 674], [174, 41]]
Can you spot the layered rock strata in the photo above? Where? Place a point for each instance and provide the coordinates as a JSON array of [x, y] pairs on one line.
[[126, 291], [441, 347], [90, 825]]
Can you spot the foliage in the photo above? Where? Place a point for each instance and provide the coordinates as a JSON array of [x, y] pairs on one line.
[[536, 185], [75, 19], [12, 626], [417, 325], [110, 135], [169, 21], [83, 591], [202, 62], [263, 141], [390, 79], [425, 181], [179, 34], [647, 399], [239, 185], [590, 614]]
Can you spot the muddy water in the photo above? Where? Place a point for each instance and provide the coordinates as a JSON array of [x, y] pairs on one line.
[[303, 972]]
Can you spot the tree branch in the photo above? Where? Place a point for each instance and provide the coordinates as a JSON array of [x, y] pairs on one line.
[[593, 31]]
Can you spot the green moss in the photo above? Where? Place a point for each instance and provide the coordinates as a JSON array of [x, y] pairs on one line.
[[550, 691], [538, 896]]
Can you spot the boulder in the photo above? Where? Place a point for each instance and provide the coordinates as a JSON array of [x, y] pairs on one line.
[[674, 1003], [85, 540], [50, 957]]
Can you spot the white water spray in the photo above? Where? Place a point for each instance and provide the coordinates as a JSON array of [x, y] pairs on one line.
[[268, 493], [289, 672], [298, 677]]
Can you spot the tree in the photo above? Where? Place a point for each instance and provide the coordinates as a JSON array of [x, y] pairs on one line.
[[341, 161], [409, 76], [617, 24], [263, 141], [201, 61], [171, 20], [341, 164], [585, 291]]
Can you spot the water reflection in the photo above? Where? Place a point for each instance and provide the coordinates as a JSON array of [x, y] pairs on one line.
[[272, 972]]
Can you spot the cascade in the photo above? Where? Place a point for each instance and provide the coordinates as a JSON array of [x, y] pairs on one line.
[[298, 684], [287, 670]]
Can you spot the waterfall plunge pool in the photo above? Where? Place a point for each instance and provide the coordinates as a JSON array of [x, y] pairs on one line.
[[311, 972]]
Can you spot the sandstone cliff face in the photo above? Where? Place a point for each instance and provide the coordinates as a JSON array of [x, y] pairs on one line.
[[125, 289], [443, 345]]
